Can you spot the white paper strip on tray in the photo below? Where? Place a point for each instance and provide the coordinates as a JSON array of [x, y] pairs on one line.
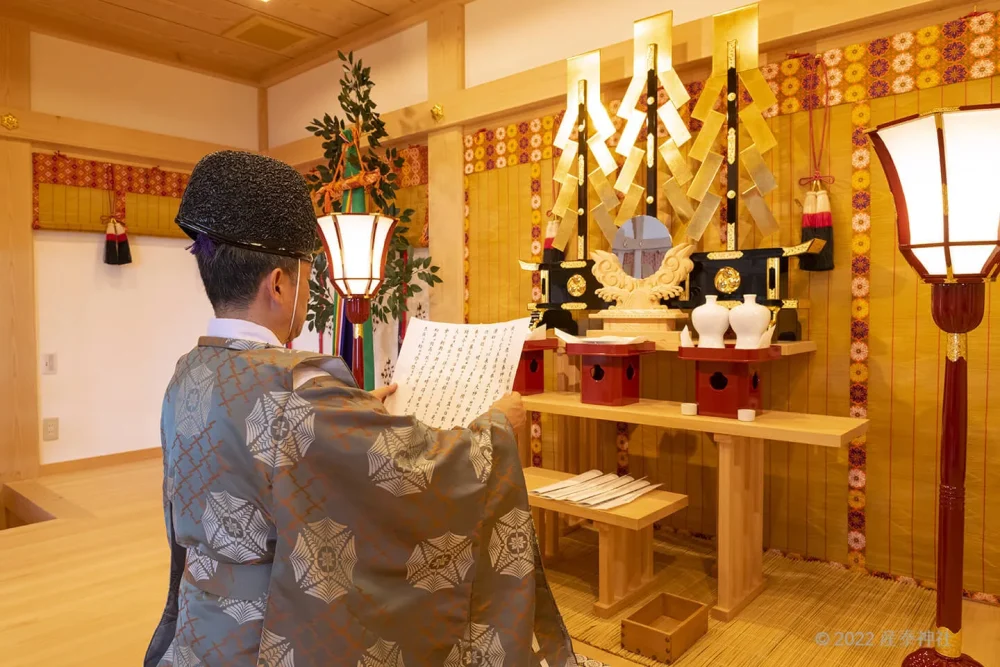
[[564, 488], [572, 481], [616, 493], [599, 481], [590, 493], [625, 500], [593, 340]]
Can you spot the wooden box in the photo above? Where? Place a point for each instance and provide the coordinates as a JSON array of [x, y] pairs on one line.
[[665, 627], [530, 377], [609, 374], [728, 380]]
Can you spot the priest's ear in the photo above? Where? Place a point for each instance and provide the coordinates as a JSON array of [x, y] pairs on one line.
[[279, 282]]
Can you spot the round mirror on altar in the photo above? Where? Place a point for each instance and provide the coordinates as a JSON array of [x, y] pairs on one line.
[[640, 245]]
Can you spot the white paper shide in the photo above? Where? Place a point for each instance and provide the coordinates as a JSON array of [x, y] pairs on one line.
[[597, 490]]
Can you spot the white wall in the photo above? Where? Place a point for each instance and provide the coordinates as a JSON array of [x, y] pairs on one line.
[[117, 333], [78, 81], [399, 70], [504, 37]]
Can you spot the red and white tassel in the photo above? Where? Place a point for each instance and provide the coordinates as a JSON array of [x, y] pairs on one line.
[[116, 248], [817, 222]]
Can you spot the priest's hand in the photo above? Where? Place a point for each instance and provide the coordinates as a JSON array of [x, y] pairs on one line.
[[513, 408], [383, 393]]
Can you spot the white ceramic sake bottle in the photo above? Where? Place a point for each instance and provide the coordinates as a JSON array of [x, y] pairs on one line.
[[711, 321], [749, 321]]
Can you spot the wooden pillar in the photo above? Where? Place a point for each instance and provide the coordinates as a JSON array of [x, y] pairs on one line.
[[18, 356], [263, 138], [445, 190], [741, 523]]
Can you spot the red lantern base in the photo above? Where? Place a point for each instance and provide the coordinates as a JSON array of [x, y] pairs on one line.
[[358, 309], [530, 378], [609, 373], [928, 657], [728, 380]]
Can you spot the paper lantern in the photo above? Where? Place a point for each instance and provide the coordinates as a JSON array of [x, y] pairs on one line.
[[356, 247], [941, 169]]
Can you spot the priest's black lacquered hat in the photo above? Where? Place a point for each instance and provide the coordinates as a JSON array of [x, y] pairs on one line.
[[250, 201]]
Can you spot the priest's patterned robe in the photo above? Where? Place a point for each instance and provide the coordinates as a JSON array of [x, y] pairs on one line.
[[309, 528]]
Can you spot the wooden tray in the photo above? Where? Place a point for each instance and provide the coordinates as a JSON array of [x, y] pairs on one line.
[[544, 344], [665, 627], [730, 353], [610, 349]]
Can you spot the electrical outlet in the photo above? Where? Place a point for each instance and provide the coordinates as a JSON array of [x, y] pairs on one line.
[[49, 364], [50, 429]]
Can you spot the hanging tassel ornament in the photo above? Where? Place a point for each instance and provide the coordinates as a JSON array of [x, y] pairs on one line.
[[116, 249], [817, 223], [817, 219]]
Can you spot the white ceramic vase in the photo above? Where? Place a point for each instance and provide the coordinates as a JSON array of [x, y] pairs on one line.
[[749, 321], [711, 321]]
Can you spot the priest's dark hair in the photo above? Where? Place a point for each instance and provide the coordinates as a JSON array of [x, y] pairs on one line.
[[232, 275]]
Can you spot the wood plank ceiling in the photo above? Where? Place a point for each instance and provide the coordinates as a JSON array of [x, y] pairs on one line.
[[245, 40]]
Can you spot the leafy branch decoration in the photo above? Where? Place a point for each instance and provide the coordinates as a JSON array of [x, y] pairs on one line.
[[354, 169]]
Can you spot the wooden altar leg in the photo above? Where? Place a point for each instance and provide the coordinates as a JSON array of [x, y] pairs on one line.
[[552, 535], [741, 523], [625, 570]]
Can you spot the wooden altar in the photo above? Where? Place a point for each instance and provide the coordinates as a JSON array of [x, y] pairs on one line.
[[741, 473]]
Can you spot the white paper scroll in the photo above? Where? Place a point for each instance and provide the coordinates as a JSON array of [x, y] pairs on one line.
[[449, 374]]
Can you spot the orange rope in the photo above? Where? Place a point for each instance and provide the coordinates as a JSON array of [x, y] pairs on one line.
[[816, 156]]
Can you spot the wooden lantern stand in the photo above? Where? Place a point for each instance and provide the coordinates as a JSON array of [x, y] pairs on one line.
[[358, 310], [727, 380], [957, 309]]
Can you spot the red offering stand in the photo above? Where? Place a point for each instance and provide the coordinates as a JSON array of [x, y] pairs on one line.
[[728, 380], [610, 373], [530, 378]]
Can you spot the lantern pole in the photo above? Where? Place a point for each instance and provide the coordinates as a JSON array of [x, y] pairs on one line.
[[957, 309]]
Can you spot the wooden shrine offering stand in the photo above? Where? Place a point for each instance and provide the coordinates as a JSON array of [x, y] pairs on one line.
[[728, 380], [741, 472], [625, 538], [610, 372], [656, 324], [530, 377]]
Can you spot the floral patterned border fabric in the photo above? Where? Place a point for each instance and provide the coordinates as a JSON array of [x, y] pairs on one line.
[[858, 373], [956, 51], [414, 169], [122, 179]]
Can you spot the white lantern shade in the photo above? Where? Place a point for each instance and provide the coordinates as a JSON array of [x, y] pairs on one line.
[[941, 170], [356, 246]]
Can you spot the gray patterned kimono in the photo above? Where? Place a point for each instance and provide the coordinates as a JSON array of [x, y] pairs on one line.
[[309, 528]]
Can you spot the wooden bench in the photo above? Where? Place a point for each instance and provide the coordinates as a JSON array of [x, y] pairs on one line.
[[625, 537]]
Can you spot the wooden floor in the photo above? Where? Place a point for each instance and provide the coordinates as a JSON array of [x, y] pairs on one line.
[[87, 589]]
